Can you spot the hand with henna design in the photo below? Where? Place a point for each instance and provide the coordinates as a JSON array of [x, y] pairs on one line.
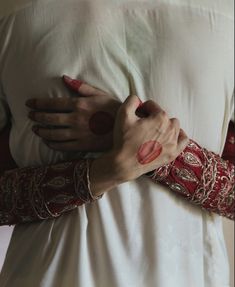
[[151, 150], [82, 123], [143, 144]]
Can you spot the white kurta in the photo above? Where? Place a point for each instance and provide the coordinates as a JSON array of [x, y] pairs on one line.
[[177, 52]]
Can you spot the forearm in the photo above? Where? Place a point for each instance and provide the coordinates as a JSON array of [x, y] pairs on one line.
[[202, 178], [105, 174], [32, 194]]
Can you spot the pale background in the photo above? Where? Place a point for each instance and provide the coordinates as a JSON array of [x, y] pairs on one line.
[[5, 233]]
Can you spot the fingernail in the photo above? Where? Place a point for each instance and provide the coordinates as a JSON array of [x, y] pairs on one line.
[[140, 102], [72, 83], [30, 103]]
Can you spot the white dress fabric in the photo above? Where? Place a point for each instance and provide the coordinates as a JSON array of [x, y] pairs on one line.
[[177, 52]]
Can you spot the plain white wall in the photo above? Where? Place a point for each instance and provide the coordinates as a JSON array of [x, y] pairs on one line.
[[5, 234]]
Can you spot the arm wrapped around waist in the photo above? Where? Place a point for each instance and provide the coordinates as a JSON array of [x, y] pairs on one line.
[[201, 177]]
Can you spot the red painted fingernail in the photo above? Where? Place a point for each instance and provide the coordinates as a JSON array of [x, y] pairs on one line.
[[72, 84]]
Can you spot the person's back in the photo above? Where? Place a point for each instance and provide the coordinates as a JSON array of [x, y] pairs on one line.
[[179, 53]]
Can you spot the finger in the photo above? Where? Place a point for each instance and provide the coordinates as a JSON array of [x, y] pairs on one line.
[[129, 107], [140, 111], [57, 135], [182, 140], [73, 84], [84, 89], [150, 108], [54, 119], [80, 145], [77, 145], [55, 104], [176, 124], [63, 146]]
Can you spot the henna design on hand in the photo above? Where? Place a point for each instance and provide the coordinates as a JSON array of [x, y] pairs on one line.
[[149, 151], [101, 123]]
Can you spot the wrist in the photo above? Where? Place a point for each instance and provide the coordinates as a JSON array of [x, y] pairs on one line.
[[106, 173]]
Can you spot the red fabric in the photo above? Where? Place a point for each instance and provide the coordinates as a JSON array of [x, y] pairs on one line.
[[32, 194], [202, 178]]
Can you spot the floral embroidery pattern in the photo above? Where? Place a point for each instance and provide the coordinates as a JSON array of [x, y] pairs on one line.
[[31, 194], [203, 178], [200, 176]]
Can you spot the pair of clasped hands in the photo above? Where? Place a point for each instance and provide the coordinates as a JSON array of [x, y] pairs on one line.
[[139, 136]]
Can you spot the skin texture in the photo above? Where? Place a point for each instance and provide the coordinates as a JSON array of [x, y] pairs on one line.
[[101, 123], [90, 108], [148, 152]]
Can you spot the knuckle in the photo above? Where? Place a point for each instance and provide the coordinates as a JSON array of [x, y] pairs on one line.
[[175, 122], [74, 119], [163, 116], [163, 113], [76, 102], [67, 134], [150, 102], [124, 112]]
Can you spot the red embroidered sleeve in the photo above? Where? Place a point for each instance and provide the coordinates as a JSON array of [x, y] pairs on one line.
[[202, 178], [31, 194]]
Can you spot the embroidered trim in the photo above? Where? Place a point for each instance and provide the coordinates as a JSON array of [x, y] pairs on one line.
[[203, 178], [32, 194]]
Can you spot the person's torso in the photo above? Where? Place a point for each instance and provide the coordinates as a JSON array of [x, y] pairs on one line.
[[179, 53]]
